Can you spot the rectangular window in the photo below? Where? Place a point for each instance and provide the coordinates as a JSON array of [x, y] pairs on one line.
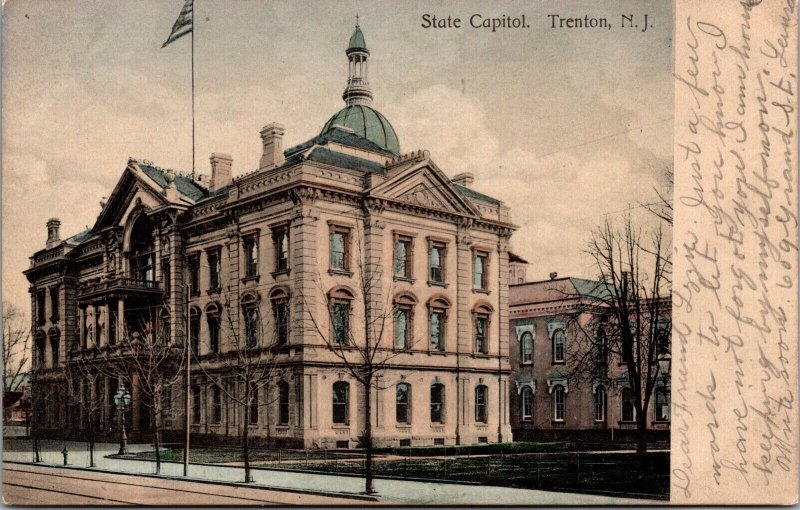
[[214, 270], [402, 403], [402, 257], [438, 441], [341, 397], [54, 315], [112, 325], [194, 331], [283, 403], [216, 404], [194, 275], [339, 249], [437, 403], [280, 241], [481, 323], [41, 315], [479, 280], [480, 404], [436, 262], [165, 275], [341, 322], [436, 327], [405, 443], [559, 403], [402, 327], [662, 404], [196, 404], [280, 310], [251, 256], [251, 326], [213, 333], [253, 409]]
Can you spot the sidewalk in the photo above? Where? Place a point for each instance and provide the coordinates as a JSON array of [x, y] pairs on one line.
[[402, 491]]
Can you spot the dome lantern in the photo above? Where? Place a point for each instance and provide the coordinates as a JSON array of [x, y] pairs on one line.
[[358, 90]]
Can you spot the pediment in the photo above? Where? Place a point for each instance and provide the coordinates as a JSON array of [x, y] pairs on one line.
[[424, 185], [132, 190]]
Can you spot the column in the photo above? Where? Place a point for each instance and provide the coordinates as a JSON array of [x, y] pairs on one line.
[[121, 333], [82, 326], [305, 265]]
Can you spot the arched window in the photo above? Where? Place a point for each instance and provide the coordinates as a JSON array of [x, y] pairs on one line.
[[628, 407], [559, 403], [163, 326], [482, 314], [283, 403], [437, 403], [55, 338], [559, 346], [403, 403], [341, 399], [142, 250], [403, 315], [602, 348], [213, 312], [280, 314], [40, 346], [527, 403], [600, 404], [252, 320], [481, 393], [194, 330], [526, 348], [340, 300], [662, 403], [437, 320]]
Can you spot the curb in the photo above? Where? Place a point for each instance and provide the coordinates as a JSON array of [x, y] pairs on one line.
[[314, 492]]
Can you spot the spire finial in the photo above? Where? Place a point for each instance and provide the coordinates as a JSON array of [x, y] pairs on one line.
[[356, 19]]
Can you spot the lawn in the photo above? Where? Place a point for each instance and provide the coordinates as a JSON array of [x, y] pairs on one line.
[[514, 465]]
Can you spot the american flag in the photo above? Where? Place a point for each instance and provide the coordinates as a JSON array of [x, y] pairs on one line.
[[183, 25]]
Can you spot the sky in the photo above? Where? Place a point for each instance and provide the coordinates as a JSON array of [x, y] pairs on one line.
[[566, 126]]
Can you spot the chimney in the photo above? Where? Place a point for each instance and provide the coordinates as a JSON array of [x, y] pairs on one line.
[[272, 139], [464, 179], [553, 275], [53, 238], [220, 171]]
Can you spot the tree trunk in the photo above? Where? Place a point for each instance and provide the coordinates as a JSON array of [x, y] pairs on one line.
[[369, 486], [246, 445], [641, 431], [91, 439], [157, 445]]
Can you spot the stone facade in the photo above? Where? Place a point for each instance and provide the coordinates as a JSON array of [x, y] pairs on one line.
[[545, 376], [298, 234]]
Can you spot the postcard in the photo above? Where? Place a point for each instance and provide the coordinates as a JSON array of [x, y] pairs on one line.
[[379, 253]]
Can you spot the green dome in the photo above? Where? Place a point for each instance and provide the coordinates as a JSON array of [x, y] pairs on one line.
[[357, 41], [367, 123]]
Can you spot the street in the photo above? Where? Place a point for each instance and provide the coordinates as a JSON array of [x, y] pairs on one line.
[[41, 485]]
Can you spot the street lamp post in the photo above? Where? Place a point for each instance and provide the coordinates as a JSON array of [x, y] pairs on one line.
[[122, 399]]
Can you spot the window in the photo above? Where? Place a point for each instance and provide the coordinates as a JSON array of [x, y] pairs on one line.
[[527, 403], [54, 343], [54, 314], [559, 403], [559, 346], [280, 312], [402, 327], [628, 407], [436, 327], [251, 256], [402, 256], [213, 318], [166, 277], [40, 311], [480, 403], [403, 398], [662, 404], [194, 330], [600, 404], [213, 270], [662, 341], [341, 396], [216, 404], [480, 271], [340, 250], [280, 243], [252, 321], [194, 274], [526, 349], [196, 406], [436, 262], [283, 403], [253, 408], [113, 317], [481, 327], [602, 349], [437, 403], [163, 325]]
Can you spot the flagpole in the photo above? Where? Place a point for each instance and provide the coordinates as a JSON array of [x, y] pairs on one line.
[[187, 347], [193, 157]]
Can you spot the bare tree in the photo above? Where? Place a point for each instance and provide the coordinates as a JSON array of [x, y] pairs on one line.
[[16, 347], [248, 359], [82, 377], [662, 208], [626, 314], [365, 356]]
